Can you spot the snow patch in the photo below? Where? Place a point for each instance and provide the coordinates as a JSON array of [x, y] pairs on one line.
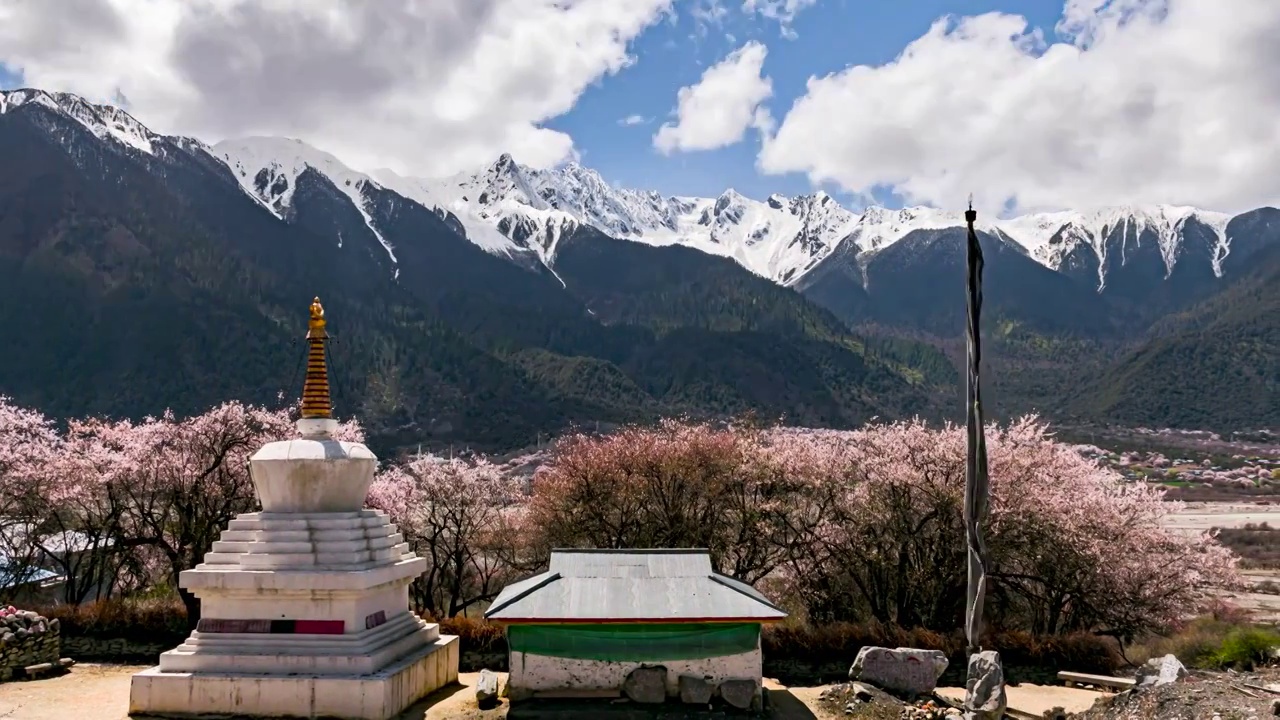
[[268, 169], [104, 121], [1051, 237]]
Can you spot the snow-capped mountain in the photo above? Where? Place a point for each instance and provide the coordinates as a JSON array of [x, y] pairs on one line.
[[105, 122], [520, 212], [531, 210], [268, 170], [1113, 235], [509, 208]]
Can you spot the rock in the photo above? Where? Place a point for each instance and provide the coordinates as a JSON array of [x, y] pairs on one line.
[[696, 690], [984, 689], [861, 692], [1162, 671], [740, 693], [1275, 708], [487, 690], [904, 670], [646, 684]]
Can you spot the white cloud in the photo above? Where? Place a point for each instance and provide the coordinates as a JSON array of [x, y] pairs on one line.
[[633, 120], [420, 87], [1154, 101], [708, 13], [782, 11], [717, 110]]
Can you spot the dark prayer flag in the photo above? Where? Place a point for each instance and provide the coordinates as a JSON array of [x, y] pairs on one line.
[[976, 484]]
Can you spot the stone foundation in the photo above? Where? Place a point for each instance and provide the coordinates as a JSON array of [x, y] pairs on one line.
[[28, 639], [379, 696]]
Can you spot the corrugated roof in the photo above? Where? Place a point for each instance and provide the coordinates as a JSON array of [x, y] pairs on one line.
[[11, 577], [630, 585]]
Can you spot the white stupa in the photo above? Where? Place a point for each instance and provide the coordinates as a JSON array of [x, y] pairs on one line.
[[305, 605]]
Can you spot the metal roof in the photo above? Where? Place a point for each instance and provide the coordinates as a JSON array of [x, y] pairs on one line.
[[661, 585], [11, 577]]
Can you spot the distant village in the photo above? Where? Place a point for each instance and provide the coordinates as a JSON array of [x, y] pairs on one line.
[[1153, 466]]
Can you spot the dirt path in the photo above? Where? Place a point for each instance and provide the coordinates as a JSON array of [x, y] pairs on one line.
[[101, 692]]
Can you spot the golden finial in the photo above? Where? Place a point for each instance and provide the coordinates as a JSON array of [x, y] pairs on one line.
[[315, 390], [315, 326]]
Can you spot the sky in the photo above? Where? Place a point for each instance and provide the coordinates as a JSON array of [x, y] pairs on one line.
[[1030, 105]]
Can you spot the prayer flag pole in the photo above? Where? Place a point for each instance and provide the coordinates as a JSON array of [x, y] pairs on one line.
[[984, 688]]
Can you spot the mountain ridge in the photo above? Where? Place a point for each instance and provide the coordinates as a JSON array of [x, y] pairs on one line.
[[521, 213], [615, 304], [146, 276]]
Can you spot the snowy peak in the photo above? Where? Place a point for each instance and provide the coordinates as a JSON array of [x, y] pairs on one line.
[[779, 239], [104, 121], [1112, 235], [506, 183], [268, 169], [880, 227]]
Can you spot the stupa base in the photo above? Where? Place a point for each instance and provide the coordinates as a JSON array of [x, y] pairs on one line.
[[379, 696]]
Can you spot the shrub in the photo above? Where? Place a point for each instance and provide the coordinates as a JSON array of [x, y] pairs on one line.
[[838, 643], [1079, 652], [476, 636], [1258, 545], [156, 620], [1225, 638], [1242, 648]]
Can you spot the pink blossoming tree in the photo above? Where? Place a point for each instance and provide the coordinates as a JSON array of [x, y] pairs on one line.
[[457, 514], [867, 524]]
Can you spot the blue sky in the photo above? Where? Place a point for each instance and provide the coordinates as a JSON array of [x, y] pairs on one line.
[[831, 37]]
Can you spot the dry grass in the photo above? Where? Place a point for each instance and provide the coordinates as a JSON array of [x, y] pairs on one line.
[[151, 620], [475, 635], [164, 620], [1257, 544], [839, 642]]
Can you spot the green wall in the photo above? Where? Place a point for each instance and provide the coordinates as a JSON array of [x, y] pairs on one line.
[[635, 642]]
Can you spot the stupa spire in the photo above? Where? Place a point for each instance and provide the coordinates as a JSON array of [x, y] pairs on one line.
[[316, 404]]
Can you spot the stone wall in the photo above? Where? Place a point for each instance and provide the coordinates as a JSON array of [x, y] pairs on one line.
[[26, 639]]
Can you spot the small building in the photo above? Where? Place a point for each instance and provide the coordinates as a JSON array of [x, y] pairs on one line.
[[596, 615]]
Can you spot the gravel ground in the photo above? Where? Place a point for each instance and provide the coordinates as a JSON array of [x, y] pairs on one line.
[[101, 692], [1200, 696]]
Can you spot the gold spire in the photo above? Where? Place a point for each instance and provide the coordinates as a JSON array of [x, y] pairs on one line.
[[315, 390]]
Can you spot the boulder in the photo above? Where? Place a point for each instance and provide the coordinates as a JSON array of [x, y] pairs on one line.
[[984, 689], [1162, 671], [904, 670], [646, 684], [696, 690], [487, 690], [741, 693]]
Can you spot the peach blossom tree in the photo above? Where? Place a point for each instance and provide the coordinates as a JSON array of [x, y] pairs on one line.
[[458, 515]]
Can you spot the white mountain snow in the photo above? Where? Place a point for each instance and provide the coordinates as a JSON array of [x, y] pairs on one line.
[[1052, 236], [511, 210], [268, 170]]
